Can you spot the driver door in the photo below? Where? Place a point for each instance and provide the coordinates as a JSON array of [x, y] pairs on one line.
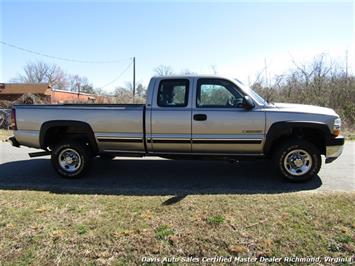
[[220, 123]]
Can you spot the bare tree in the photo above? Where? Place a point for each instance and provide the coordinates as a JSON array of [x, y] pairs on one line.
[[141, 91], [320, 82], [125, 94], [164, 70], [39, 72], [187, 71], [80, 84], [214, 69], [99, 91]]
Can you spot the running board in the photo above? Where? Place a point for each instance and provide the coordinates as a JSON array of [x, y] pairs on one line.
[[39, 154]]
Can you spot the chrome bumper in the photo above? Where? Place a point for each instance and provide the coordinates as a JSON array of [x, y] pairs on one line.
[[333, 148], [333, 152]]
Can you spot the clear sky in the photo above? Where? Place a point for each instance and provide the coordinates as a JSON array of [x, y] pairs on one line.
[[235, 37]]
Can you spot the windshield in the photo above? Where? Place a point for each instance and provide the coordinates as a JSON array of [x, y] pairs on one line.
[[252, 93]]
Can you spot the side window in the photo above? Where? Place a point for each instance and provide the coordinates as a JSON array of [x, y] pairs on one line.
[[217, 93], [173, 93]]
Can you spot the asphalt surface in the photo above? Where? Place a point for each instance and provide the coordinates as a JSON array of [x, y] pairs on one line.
[[156, 176]]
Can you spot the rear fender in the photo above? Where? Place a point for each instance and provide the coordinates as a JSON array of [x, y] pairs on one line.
[[85, 127]]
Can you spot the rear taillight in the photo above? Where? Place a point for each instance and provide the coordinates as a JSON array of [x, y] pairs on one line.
[[13, 124]]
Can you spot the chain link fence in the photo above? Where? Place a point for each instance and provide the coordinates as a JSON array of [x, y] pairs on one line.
[[5, 107], [5, 115]]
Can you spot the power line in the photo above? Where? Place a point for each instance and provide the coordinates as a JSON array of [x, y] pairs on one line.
[[62, 58], [116, 78]]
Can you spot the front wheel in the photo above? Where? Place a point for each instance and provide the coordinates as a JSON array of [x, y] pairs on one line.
[[70, 159], [297, 160]]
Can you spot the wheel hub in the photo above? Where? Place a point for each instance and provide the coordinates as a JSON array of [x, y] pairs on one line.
[[298, 162], [69, 160]]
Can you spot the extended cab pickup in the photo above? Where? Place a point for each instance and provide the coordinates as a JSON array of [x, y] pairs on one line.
[[205, 117]]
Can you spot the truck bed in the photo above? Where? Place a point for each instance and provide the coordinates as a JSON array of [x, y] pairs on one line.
[[116, 126], [78, 105]]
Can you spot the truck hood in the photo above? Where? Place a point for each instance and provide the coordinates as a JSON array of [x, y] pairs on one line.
[[303, 108]]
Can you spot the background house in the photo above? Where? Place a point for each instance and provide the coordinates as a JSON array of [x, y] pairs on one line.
[[14, 91], [43, 93], [61, 96]]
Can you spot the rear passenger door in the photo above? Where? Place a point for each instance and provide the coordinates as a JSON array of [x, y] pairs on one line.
[[171, 116]]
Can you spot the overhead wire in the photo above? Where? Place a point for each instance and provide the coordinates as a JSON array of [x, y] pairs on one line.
[[119, 76], [75, 60], [63, 58]]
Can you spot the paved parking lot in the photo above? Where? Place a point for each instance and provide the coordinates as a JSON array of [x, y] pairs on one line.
[[156, 176]]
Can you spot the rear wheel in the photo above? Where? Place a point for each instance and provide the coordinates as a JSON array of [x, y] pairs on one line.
[[297, 160], [70, 159]]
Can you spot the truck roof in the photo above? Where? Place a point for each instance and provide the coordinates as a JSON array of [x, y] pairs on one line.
[[190, 76], [199, 76]]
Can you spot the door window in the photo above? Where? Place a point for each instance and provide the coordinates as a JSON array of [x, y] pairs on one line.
[[217, 93], [173, 93]]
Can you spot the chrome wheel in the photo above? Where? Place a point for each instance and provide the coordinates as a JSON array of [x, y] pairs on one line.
[[297, 162], [69, 160]]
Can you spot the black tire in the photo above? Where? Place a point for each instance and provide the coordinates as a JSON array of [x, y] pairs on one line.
[[80, 153], [107, 156], [299, 148]]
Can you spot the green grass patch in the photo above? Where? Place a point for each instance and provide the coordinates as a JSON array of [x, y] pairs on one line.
[[44, 228], [215, 220], [163, 231], [81, 229]]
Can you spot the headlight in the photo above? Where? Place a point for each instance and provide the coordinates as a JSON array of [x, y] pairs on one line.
[[337, 126]]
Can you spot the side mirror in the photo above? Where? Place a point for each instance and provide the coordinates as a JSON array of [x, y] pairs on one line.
[[248, 103]]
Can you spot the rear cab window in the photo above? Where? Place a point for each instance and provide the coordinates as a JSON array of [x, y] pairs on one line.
[[173, 93]]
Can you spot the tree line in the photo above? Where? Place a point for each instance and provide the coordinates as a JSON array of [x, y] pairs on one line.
[[42, 72], [321, 82]]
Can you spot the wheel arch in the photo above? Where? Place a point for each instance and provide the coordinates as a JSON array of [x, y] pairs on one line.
[[52, 128], [316, 132]]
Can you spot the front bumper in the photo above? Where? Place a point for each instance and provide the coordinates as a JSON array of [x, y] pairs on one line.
[[334, 148]]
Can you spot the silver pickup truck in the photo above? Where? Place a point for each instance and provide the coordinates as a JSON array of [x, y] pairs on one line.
[[204, 117]]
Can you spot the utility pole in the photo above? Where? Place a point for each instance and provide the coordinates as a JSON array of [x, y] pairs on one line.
[[134, 78], [78, 84]]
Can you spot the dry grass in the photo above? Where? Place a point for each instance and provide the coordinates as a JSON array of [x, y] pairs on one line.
[[42, 228], [4, 134], [349, 134]]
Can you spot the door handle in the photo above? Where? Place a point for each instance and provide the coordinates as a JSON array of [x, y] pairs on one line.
[[200, 117]]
